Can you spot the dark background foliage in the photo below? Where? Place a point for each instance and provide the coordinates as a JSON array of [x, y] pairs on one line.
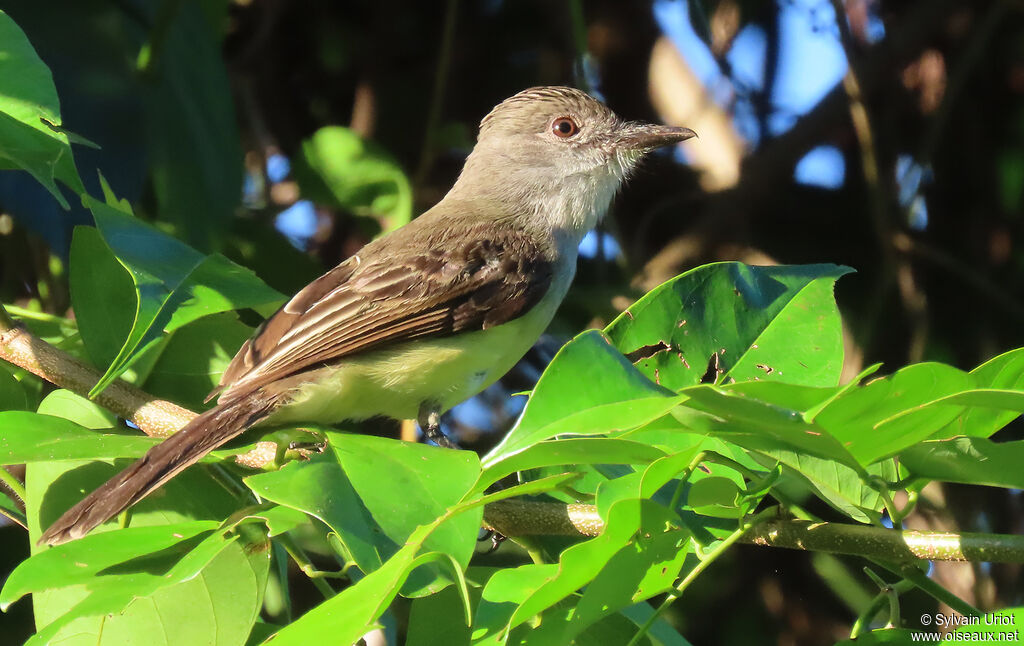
[[196, 106]]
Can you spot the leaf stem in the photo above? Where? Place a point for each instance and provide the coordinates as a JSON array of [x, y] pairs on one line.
[[12, 483], [302, 560], [704, 564], [25, 313], [685, 477], [887, 595], [912, 573]]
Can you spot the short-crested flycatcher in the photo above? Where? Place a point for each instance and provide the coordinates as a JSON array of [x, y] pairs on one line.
[[430, 314]]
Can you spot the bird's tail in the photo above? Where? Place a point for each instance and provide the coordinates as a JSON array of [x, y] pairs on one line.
[[161, 463]]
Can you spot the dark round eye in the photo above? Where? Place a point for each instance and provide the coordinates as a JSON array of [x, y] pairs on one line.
[[564, 127]]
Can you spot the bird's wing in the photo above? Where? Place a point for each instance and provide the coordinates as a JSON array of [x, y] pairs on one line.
[[444, 283]]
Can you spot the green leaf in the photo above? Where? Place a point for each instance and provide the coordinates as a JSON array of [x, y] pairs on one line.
[[174, 283], [712, 494], [30, 134], [338, 168], [75, 408], [102, 295], [545, 585], [320, 488], [968, 460], [614, 397], [191, 362], [778, 323], [641, 538], [890, 414], [438, 619], [92, 555], [1005, 372], [278, 519], [30, 437], [422, 482], [12, 395], [212, 592], [643, 484], [197, 596], [353, 612], [571, 451], [732, 415], [835, 483]]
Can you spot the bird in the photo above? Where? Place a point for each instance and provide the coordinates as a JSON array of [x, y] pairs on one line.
[[430, 314]]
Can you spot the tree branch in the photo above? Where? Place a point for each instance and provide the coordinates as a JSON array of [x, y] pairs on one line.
[[155, 417], [520, 518]]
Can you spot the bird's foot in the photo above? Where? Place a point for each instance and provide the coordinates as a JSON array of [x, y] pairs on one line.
[[430, 422]]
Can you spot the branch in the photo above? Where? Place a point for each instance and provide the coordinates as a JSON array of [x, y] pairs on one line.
[[155, 417], [519, 518]]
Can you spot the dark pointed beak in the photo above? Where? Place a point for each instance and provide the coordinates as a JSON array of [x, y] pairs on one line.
[[646, 137]]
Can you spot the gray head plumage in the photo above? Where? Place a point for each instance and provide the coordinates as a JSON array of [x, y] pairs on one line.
[[559, 152]]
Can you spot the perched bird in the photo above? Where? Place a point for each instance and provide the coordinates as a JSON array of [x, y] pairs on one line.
[[430, 314]]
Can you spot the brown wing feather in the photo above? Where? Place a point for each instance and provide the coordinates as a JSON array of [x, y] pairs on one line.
[[442, 285], [270, 332]]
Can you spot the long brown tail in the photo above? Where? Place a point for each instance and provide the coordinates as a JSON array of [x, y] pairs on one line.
[[161, 463]]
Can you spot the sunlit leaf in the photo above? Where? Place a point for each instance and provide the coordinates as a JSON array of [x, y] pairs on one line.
[[30, 135]]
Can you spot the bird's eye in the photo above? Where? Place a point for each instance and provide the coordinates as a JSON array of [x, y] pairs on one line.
[[564, 127]]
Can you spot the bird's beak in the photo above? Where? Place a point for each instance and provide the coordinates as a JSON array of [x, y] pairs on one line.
[[645, 137]]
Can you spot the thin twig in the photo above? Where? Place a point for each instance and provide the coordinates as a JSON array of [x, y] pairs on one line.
[[962, 271], [894, 270], [444, 60]]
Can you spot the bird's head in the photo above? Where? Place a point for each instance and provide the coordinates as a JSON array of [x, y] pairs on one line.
[[560, 152]]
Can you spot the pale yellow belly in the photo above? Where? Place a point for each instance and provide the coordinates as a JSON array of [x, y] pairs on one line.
[[396, 381]]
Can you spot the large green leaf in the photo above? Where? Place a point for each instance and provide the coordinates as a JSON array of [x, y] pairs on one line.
[[967, 460], [174, 283], [570, 452], [216, 589], [659, 550], [421, 482], [354, 611], [102, 295], [776, 322], [213, 594], [639, 554], [30, 437], [191, 362], [338, 168], [30, 134], [893, 413], [740, 417], [1003, 372], [320, 488], [92, 556], [835, 483], [615, 396]]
